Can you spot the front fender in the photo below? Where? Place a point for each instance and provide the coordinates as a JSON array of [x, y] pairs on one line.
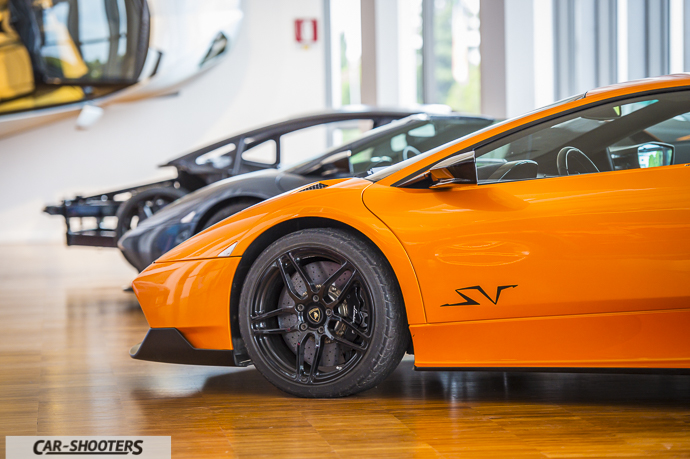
[[341, 202]]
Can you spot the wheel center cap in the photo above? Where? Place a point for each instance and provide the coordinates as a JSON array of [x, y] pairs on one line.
[[315, 315]]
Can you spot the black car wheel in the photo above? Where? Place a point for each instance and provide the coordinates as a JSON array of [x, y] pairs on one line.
[[142, 205], [322, 315]]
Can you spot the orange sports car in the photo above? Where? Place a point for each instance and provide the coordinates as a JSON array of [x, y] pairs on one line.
[[559, 240]]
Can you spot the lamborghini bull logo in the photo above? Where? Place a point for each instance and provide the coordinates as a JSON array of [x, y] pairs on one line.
[[315, 314], [471, 302]]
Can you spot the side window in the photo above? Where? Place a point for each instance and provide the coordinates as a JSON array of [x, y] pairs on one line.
[[262, 153], [90, 42], [410, 140], [220, 158], [341, 133], [388, 151], [638, 133], [301, 145]]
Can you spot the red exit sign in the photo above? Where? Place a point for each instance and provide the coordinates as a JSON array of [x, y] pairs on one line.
[[306, 31]]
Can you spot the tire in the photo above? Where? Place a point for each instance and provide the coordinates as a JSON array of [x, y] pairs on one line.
[[357, 316], [137, 208], [228, 211]]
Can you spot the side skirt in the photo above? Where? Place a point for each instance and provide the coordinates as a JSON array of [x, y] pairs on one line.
[[626, 371], [169, 346]]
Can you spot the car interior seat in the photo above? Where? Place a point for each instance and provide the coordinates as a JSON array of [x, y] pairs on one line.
[[16, 72]]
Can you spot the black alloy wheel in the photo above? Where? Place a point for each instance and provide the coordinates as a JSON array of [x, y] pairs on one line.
[[143, 205], [322, 315]]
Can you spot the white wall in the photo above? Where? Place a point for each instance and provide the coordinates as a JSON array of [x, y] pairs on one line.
[[267, 76]]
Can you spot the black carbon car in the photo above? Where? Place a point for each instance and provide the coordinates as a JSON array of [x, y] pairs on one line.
[[112, 213], [203, 208]]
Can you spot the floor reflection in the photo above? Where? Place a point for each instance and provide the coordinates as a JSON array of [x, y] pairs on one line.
[[662, 391]]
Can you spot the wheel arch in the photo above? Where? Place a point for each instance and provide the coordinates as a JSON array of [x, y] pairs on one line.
[[412, 300]]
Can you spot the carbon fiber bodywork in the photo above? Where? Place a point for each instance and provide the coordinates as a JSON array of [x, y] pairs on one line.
[[189, 215], [192, 176]]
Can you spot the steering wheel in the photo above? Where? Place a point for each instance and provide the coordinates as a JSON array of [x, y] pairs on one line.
[[409, 149], [571, 161]]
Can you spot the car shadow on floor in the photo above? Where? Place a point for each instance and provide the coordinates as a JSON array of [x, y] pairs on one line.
[[494, 387]]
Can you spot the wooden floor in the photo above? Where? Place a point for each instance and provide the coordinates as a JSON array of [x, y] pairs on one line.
[[66, 327]]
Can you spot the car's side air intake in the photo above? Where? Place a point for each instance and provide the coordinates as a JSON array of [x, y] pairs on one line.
[[316, 186]]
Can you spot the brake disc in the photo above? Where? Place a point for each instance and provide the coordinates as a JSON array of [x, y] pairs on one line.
[[318, 272]]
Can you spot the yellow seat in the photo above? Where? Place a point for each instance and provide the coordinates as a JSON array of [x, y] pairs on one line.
[[16, 73], [44, 98]]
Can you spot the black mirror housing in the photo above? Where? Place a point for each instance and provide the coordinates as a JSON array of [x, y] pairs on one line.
[[459, 169]]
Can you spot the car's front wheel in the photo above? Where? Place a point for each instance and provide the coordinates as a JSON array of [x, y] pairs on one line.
[[322, 315]]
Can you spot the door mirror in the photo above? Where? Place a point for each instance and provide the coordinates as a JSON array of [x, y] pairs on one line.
[[650, 154], [655, 154], [459, 169]]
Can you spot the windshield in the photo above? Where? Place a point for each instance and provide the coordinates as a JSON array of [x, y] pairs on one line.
[[391, 144]]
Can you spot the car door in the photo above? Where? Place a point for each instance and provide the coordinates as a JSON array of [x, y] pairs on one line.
[[533, 243]]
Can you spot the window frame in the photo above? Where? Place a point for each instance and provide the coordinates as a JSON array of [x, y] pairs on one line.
[[597, 140], [139, 49]]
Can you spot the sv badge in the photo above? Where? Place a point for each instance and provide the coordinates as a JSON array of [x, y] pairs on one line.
[[471, 302]]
